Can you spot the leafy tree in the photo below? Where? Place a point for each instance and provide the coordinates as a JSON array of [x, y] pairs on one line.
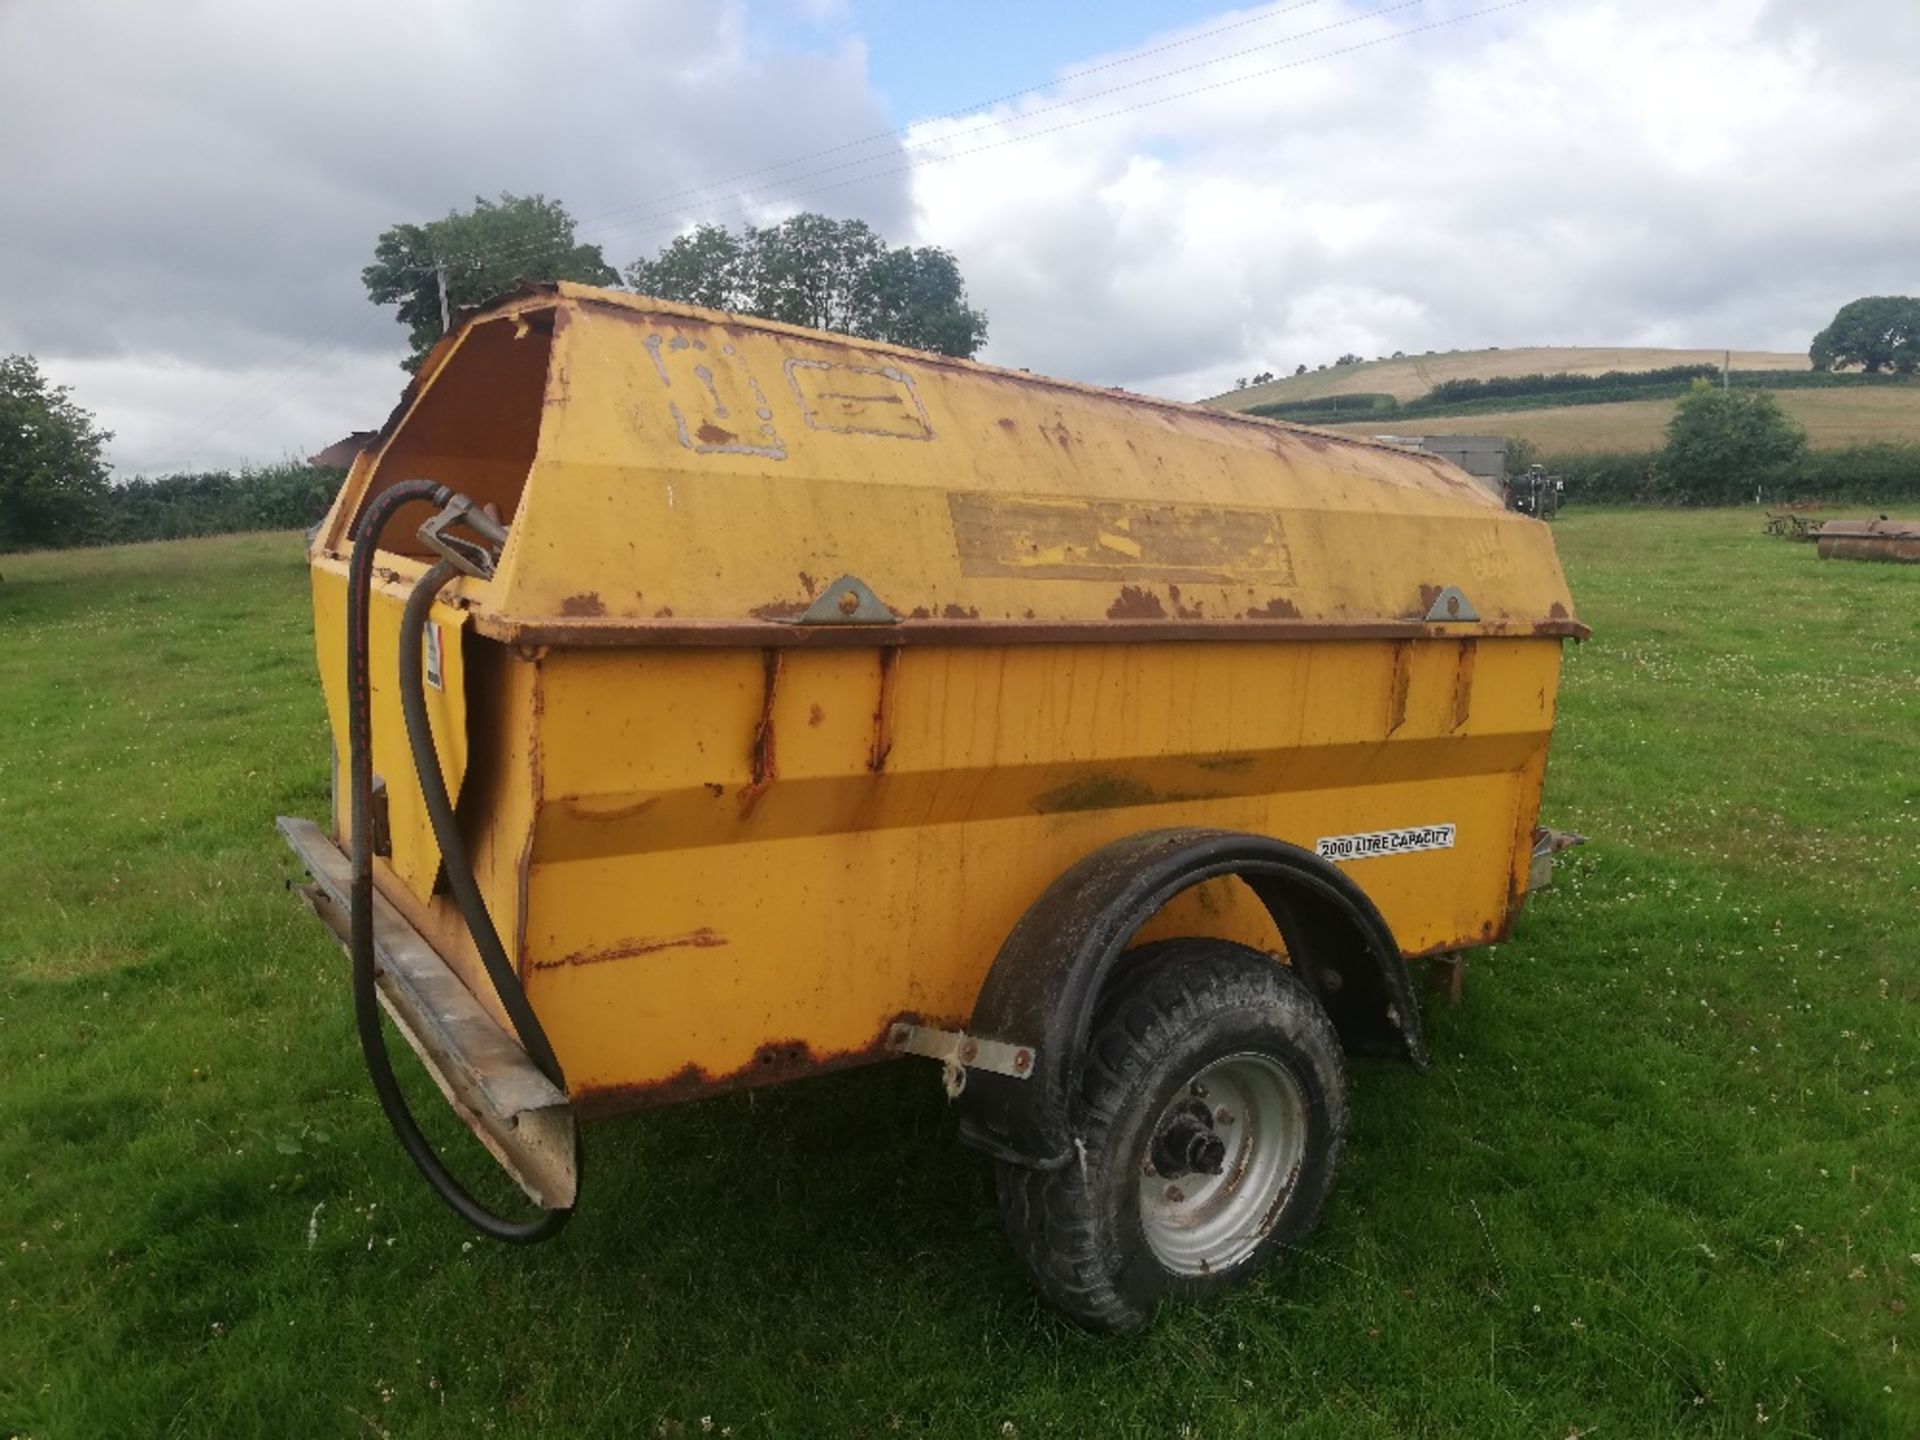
[[1723, 444], [1300, 369], [1263, 377], [823, 273], [707, 266], [1240, 383], [917, 298], [485, 252], [51, 473], [1879, 332]]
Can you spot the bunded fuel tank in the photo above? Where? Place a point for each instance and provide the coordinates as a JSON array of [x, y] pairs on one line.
[[808, 663]]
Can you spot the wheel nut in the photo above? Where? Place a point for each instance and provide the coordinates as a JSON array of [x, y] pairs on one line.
[[1176, 1194], [1223, 1116], [1198, 1090], [1146, 1168]]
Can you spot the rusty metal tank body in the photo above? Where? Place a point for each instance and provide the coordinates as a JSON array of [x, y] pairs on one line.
[[810, 662]]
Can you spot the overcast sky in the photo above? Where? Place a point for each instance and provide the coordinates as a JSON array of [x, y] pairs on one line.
[[1181, 195]]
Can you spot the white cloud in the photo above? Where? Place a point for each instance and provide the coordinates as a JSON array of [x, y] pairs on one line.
[[1635, 172], [191, 191]]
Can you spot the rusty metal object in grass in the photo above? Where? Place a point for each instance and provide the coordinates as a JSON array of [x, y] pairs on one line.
[[1546, 844], [1877, 539], [1793, 524]]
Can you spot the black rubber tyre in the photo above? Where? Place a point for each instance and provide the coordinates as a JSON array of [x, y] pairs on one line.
[[1179, 1010]]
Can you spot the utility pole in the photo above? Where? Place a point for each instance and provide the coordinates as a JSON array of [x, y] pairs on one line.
[[440, 271]]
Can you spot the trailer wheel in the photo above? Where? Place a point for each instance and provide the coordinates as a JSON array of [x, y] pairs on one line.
[[1213, 1104]]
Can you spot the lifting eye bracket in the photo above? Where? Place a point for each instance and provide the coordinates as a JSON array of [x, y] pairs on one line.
[[465, 556], [959, 1052], [848, 601]]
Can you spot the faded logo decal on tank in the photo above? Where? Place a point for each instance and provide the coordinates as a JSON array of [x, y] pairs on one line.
[[1039, 538], [717, 405], [859, 399], [1384, 842]]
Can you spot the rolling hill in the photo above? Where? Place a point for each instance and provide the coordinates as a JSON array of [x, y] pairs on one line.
[[1411, 376], [1832, 416]]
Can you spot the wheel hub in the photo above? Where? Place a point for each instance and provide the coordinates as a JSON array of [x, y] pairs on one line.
[[1234, 1141], [1186, 1143]]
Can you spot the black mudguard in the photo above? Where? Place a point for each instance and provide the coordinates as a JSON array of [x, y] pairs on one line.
[[1047, 978]]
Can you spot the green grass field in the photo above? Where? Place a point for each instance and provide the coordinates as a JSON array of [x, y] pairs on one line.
[[1830, 418], [1663, 1179], [1411, 376]]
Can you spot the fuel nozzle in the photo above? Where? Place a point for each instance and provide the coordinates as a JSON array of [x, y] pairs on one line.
[[466, 556]]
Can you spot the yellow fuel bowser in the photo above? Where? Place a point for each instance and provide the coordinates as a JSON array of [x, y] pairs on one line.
[[717, 703]]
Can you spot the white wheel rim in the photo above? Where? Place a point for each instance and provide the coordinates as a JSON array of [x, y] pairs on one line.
[[1199, 1224]]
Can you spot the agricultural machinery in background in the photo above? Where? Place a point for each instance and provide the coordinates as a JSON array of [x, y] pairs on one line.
[[1534, 492]]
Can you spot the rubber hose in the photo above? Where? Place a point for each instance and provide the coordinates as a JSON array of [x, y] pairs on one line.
[[368, 527]]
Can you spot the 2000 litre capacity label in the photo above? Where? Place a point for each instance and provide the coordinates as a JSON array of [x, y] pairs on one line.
[[1385, 842]]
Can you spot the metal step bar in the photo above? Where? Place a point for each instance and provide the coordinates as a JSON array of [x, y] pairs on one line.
[[522, 1117]]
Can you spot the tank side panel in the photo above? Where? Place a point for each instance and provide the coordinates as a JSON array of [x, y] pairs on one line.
[[746, 863], [415, 858], [485, 727]]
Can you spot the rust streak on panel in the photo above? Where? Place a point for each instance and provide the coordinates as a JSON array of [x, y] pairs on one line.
[[702, 939], [1463, 683], [1134, 603], [763, 761], [882, 743], [774, 1061], [580, 811], [779, 610], [1278, 608], [1398, 685]]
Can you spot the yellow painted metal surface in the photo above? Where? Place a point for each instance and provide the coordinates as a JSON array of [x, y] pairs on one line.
[[416, 855], [728, 846]]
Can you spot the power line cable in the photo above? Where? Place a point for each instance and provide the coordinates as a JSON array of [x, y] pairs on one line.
[[223, 416], [970, 109], [232, 410], [929, 141], [1148, 104]]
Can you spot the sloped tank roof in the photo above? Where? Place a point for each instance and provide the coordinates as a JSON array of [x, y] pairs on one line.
[[679, 475]]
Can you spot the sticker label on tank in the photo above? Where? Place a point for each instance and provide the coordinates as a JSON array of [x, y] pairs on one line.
[[1385, 842], [435, 677]]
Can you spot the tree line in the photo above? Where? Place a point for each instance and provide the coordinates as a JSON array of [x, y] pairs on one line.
[[812, 270], [809, 270], [56, 490], [1733, 447]]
